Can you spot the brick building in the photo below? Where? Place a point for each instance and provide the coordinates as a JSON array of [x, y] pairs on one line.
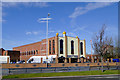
[[66, 49], [14, 55], [1, 51]]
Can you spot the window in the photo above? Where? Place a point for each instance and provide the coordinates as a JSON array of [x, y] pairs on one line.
[[49, 47], [72, 47], [53, 47], [5, 53], [81, 46], [32, 52], [36, 51], [61, 46], [26, 53], [29, 52]]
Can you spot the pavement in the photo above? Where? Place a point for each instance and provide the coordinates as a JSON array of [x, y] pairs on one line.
[[90, 77]]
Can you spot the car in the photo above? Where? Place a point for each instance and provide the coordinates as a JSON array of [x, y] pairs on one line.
[[22, 61]]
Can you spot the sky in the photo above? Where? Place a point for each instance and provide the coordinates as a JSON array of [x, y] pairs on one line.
[[20, 23]]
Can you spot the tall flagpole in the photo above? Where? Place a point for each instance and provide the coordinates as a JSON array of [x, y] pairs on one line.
[[46, 20], [47, 38]]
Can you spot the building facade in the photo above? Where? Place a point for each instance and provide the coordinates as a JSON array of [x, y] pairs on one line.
[[14, 55], [1, 51], [67, 49]]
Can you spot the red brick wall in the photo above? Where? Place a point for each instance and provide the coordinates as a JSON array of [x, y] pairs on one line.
[[34, 49]]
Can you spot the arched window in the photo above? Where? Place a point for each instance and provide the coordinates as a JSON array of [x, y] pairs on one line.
[[29, 52], [72, 47], [53, 46], [36, 51], [61, 46], [22, 53], [49, 47], [81, 46], [26, 53]]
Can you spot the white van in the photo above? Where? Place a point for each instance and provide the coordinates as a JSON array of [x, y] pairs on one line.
[[37, 59], [4, 59]]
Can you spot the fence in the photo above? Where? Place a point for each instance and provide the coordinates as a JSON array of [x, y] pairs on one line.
[[37, 65], [9, 69], [0, 71]]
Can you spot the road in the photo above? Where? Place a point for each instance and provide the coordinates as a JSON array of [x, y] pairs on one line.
[[94, 77]]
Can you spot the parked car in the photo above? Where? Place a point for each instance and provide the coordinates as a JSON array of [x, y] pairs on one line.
[[22, 61], [116, 60], [4, 59], [37, 59]]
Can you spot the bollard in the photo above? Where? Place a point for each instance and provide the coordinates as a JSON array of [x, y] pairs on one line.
[[78, 60], [41, 60], [56, 60], [65, 60], [108, 60], [111, 60], [8, 60], [82, 60], [69, 60]]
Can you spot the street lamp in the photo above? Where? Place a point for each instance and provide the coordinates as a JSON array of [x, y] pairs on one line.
[[41, 20]]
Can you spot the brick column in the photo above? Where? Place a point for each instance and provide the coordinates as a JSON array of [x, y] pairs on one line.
[[97, 60], [65, 49], [51, 46], [108, 60], [82, 60], [84, 47], [8, 60], [56, 47], [111, 59], [93, 60], [69, 60], [85, 60], [65, 60], [78, 50], [41, 60], [48, 47], [56, 60]]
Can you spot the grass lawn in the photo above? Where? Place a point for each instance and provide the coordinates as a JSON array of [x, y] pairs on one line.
[[78, 73]]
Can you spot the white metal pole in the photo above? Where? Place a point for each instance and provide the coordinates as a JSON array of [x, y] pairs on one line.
[[47, 39]]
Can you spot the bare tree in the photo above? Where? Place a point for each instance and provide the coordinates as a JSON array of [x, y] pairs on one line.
[[116, 49], [101, 43]]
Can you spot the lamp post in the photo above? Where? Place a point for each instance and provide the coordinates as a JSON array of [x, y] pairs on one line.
[[46, 20]]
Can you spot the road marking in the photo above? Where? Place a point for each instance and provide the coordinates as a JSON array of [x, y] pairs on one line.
[[105, 77]]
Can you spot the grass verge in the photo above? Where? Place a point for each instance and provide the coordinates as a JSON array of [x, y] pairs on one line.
[[78, 73]]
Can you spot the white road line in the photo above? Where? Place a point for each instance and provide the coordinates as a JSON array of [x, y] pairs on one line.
[[105, 77]]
